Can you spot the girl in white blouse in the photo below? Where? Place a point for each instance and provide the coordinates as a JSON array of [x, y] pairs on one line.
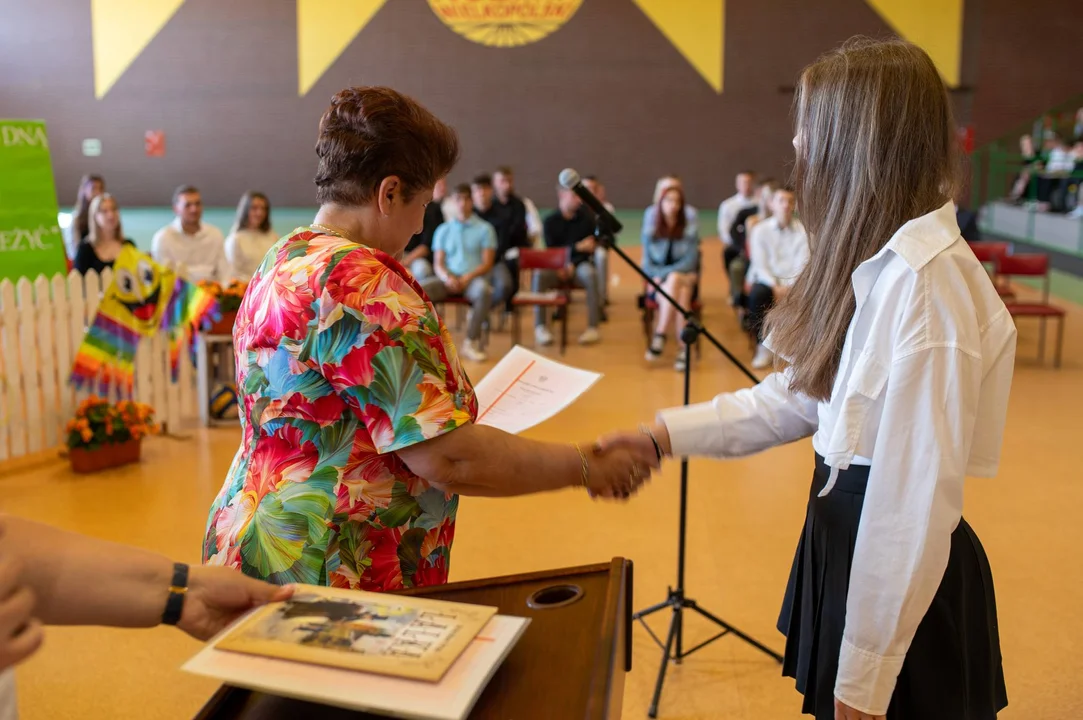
[[900, 357], [251, 235]]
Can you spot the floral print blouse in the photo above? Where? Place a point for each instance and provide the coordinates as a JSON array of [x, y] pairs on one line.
[[341, 361]]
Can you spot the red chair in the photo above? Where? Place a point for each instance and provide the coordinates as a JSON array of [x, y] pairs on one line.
[[531, 261], [1034, 265], [990, 255]]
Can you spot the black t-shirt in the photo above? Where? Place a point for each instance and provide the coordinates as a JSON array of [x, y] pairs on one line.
[[562, 232], [86, 259], [434, 218], [739, 230], [510, 227], [513, 217]]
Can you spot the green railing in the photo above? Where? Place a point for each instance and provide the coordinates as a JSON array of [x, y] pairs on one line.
[[994, 168]]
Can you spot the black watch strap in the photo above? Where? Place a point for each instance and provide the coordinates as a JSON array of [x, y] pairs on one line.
[[178, 588]]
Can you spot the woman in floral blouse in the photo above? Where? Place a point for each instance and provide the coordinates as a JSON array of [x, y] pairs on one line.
[[358, 418]]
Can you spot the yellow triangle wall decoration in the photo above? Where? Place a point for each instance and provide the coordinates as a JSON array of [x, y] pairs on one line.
[[696, 28], [324, 29], [934, 25], [120, 30]]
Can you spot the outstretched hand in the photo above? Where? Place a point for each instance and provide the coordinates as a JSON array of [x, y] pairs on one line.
[[217, 596], [638, 442], [625, 460]]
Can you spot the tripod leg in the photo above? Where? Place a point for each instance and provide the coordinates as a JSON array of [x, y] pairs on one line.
[[729, 628], [678, 620], [674, 623], [652, 609]]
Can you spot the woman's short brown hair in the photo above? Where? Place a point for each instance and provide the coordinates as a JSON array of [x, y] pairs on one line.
[[370, 133]]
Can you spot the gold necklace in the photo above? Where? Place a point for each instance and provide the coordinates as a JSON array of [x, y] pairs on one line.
[[331, 230]]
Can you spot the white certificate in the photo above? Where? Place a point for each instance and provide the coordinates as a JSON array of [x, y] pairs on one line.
[[525, 389]]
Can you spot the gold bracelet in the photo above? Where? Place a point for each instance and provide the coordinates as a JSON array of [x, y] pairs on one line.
[[585, 476]]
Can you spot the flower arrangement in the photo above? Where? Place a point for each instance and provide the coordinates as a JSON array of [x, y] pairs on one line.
[[229, 296], [104, 434], [98, 422], [229, 302]]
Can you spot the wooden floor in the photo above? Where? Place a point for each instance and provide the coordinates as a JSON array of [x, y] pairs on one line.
[[743, 523]]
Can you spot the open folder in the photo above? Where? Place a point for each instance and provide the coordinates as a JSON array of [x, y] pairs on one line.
[[394, 655]]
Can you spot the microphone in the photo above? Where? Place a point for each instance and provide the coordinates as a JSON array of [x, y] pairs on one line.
[[570, 180]]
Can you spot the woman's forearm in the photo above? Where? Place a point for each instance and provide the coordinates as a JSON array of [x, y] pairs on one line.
[[480, 460], [80, 580]]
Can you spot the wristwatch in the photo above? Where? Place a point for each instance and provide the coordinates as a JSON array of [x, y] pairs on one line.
[[178, 588]]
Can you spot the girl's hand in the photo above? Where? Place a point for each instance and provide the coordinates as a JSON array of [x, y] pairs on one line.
[[845, 712]]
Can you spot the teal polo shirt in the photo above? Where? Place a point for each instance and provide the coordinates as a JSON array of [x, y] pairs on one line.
[[464, 243]]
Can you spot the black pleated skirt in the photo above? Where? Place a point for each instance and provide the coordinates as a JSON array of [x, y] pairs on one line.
[[953, 668]]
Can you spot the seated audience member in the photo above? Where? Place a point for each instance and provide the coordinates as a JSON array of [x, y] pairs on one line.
[[1056, 167], [1077, 175], [464, 252], [105, 240], [509, 222], [570, 226], [190, 242], [1060, 159], [251, 236], [49, 576], [1031, 163], [664, 183], [728, 210], [90, 187], [504, 188], [671, 257], [601, 253], [778, 251], [742, 225], [417, 257], [1060, 167]]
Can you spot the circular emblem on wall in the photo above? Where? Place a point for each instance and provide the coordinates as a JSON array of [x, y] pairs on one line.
[[504, 23]]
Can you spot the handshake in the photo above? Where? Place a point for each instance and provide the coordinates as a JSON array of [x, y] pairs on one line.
[[620, 463]]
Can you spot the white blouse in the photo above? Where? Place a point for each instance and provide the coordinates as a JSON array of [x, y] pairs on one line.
[[921, 395], [245, 250]]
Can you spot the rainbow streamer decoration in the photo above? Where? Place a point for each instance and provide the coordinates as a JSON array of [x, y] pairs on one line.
[[189, 308], [143, 299]]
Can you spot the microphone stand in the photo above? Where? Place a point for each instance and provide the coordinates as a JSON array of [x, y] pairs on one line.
[[676, 598]]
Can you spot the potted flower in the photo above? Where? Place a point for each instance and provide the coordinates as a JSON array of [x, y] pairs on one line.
[[229, 301], [104, 435]]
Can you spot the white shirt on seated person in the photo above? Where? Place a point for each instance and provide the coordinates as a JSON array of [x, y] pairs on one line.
[[245, 249], [203, 253], [777, 254]]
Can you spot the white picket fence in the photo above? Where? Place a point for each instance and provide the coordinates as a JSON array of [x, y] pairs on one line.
[[42, 324]]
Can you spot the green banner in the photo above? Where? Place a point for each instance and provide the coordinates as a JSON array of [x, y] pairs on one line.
[[31, 242]]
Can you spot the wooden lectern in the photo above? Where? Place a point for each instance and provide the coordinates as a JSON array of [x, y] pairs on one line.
[[569, 664]]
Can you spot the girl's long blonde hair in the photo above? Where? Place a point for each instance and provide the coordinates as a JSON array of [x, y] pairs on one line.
[[92, 216], [876, 147]]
